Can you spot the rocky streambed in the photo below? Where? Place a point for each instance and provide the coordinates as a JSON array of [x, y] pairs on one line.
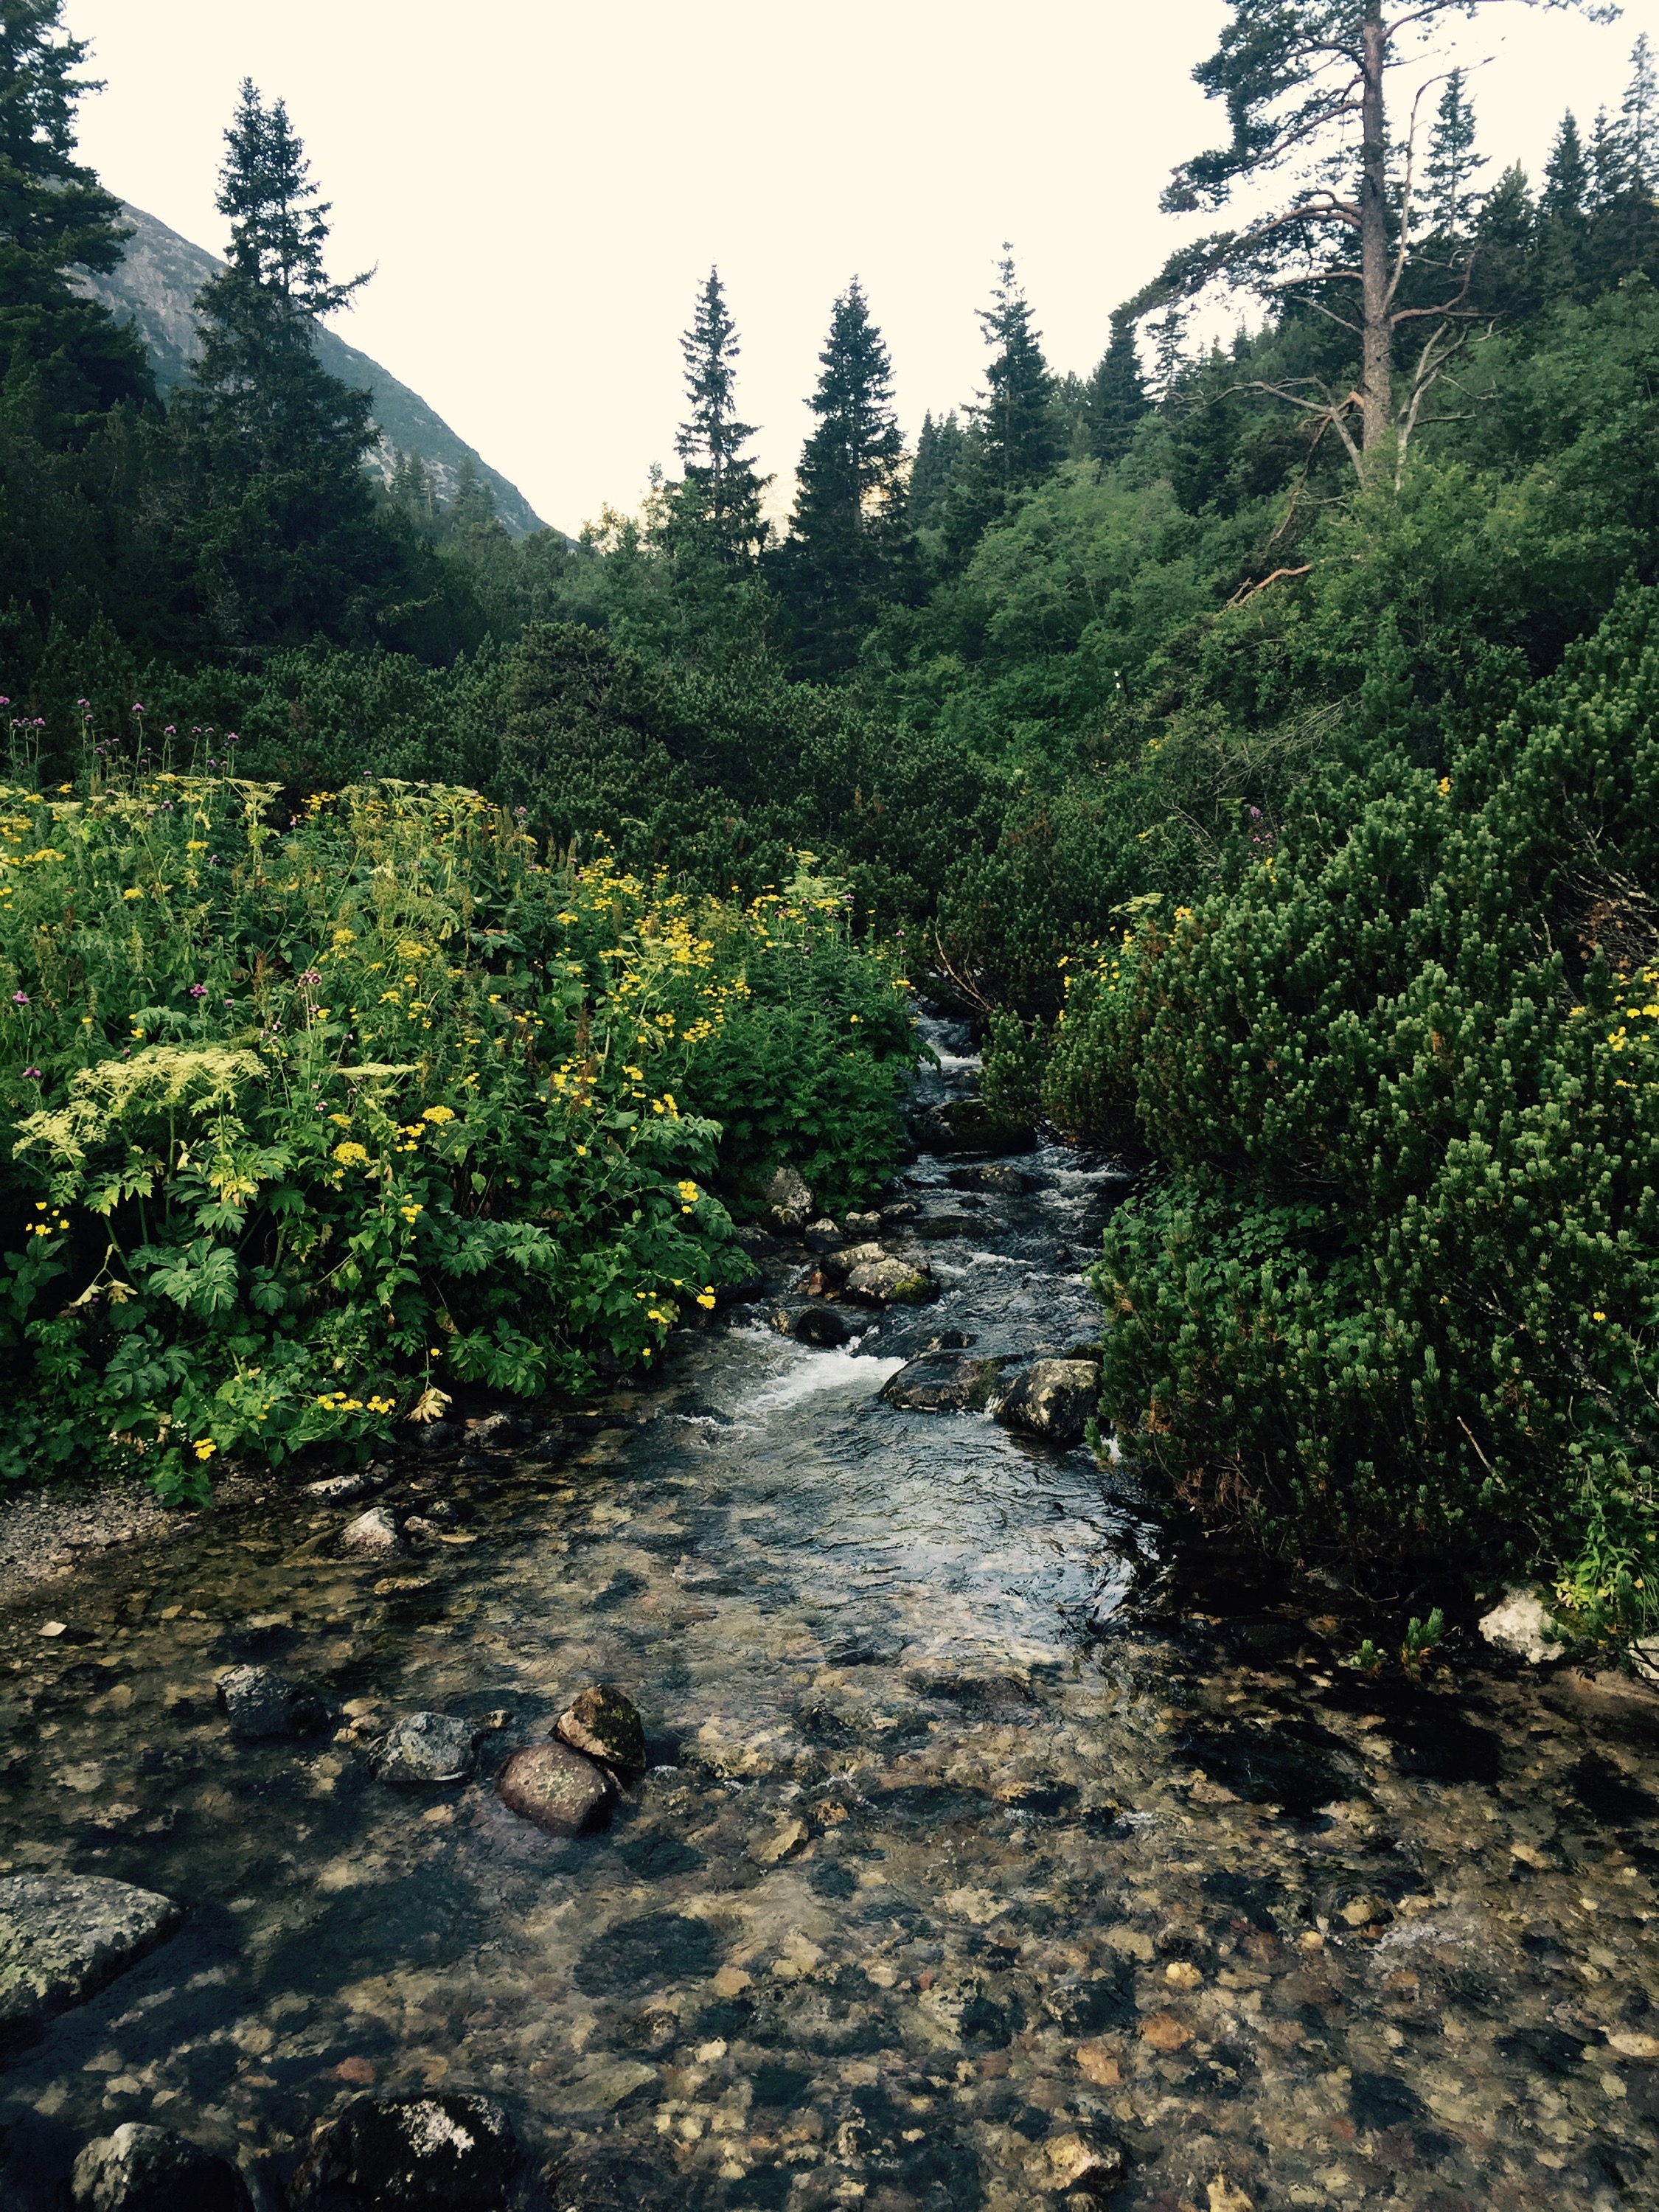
[[963, 1859]]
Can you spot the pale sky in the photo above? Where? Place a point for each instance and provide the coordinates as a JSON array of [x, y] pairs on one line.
[[543, 185]]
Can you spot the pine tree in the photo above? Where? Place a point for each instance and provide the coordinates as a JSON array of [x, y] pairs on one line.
[[1115, 397], [63, 358], [1639, 113], [1566, 175], [717, 507], [849, 528], [1016, 417], [1452, 160]]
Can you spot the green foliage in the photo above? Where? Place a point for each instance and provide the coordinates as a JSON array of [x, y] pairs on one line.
[[316, 1115], [1396, 1285]]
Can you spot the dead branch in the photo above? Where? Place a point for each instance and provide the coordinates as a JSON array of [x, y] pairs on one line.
[[1249, 591]]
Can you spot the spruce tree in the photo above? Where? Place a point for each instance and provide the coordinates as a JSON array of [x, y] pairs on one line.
[[1566, 175], [1452, 160], [1639, 114], [1611, 175], [938, 454], [717, 507], [1115, 398], [848, 529], [64, 359], [1016, 417], [1168, 333]]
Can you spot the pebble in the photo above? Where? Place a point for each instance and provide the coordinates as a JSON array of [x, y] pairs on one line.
[[259, 1702], [145, 2169], [558, 1789], [373, 1533], [63, 1937], [605, 1723], [433, 2154], [427, 1748]]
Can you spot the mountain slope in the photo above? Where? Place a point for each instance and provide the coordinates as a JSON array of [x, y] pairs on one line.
[[153, 288]]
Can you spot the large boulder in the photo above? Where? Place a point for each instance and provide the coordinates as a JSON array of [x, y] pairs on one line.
[[835, 1267], [943, 1382], [561, 1791], [824, 1326], [605, 1723], [64, 1935], [145, 2169], [259, 1702], [889, 1282], [427, 1748], [1051, 1399], [434, 2153]]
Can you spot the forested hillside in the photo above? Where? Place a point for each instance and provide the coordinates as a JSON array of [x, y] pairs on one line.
[[1258, 741]]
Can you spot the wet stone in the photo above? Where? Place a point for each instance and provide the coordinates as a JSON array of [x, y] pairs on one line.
[[63, 1937], [999, 1176], [824, 1326], [450, 2153], [892, 1283], [258, 1702], [356, 1482], [605, 1723], [427, 1748], [943, 1383], [373, 1533], [788, 1202], [1052, 1399], [558, 1789], [146, 2169]]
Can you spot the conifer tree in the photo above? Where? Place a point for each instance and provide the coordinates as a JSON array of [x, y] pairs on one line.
[[849, 529], [938, 454], [717, 508], [1016, 417], [1115, 398], [1566, 175], [1610, 173], [1168, 333], [1452, 160], [1639, 113], [62, 357]]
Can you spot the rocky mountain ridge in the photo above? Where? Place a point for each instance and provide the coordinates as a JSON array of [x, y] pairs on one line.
[[155, 288]]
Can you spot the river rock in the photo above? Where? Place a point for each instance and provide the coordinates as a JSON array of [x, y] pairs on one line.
[[823, 1235], [999, 1176], [836, 1267], [1051, 1399], [943, 1383], [1521, 1626], [434, 2154], [259, 1702], [1080, 2162], [824, 1326], [605, 1723], [355, 1482], [373, 1533], [427, 1748], [64, 1935], [787, 1201], [968, 1125], [493, 1432], [558, 1789], [145, 2169], [887, 1282]]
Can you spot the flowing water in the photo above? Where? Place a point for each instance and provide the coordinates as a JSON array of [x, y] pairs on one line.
[[964, 1835]]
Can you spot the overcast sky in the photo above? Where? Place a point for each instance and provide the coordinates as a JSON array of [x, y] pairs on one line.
[[543, 185]]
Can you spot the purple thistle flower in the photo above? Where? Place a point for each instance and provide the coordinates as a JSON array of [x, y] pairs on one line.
[[20, 998], [311, 975], [32, 1075], [198, 990]]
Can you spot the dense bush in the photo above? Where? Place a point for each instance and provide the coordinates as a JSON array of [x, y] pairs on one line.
[[1394, 1285], [315, 1112]]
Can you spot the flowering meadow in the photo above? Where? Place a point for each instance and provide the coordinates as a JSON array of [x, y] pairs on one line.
[[321, 1111]]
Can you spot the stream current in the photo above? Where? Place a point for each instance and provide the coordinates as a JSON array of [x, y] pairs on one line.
[[966, 1836]]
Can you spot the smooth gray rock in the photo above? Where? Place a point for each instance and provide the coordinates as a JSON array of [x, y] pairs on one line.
[[1051, 1399], [145, 2169], [373, 1533], [436, 2154], [427, 1748], [64, 1935], [260, 1703], [943, 1382]]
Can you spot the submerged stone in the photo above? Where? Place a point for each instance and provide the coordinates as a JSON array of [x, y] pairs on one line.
[[258, 1702], [427, 1748], [63, 1937], [943, 1383], [450, 2153], [605, 1723], [556, 1788], [145, 2169]]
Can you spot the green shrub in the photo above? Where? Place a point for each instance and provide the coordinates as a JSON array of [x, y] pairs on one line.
[[317, 1115], [1396, 1284]]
